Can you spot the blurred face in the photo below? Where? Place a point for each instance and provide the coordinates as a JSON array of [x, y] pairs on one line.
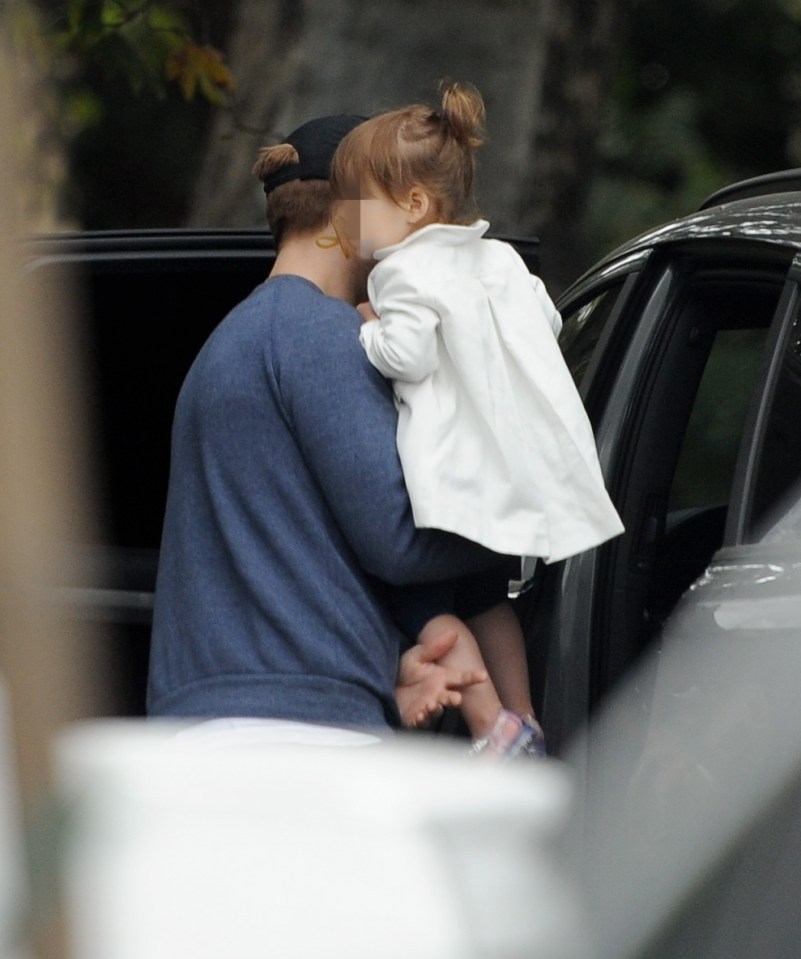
[[373, 222]]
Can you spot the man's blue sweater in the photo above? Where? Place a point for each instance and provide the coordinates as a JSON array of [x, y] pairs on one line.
[[286, 504]]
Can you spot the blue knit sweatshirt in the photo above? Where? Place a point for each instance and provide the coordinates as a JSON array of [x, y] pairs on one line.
[[286, 506]]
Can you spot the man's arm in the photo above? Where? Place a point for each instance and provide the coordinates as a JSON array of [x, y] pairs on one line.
[[345, 422]]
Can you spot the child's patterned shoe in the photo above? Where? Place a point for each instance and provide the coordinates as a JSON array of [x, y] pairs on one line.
[[531, 741], [512, 737]]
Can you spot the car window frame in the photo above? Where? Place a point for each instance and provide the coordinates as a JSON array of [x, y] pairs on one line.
[[738, 530], [625, 274], [570, 627]]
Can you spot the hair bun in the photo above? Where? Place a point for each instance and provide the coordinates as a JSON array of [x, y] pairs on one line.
[[463, 113], [274, 158]]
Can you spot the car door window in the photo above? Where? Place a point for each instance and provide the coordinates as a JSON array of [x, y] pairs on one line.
[[591, 333], [582, 328], [709, 449]]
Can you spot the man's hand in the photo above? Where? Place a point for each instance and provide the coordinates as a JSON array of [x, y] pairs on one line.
[[425, 688]]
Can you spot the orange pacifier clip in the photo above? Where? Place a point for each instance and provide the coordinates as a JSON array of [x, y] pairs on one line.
[[339, 239]]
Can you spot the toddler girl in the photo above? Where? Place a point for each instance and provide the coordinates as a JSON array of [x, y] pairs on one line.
[[492, 435]]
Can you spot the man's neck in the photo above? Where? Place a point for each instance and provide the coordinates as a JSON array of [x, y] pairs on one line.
[[325, 266]]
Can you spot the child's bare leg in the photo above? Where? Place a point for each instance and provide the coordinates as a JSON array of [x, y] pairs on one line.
[[480, 702], [501, 643], [502, 648]]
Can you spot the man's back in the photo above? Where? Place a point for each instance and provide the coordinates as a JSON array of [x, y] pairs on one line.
[[262, 606]]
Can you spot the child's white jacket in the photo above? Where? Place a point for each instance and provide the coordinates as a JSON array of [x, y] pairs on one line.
[[492, 434]]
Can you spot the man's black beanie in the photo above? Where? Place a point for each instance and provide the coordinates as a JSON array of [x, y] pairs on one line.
[[316, 143]]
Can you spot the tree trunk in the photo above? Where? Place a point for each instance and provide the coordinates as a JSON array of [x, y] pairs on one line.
[[581, 40], [264, 49]]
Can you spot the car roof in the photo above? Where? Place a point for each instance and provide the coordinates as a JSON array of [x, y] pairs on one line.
[[773, 219], [782, 181]]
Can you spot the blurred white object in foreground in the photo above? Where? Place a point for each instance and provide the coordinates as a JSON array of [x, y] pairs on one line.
[[180, 850]]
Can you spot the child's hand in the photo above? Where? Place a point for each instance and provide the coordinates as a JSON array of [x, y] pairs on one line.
[[366, 312], [425, 688]]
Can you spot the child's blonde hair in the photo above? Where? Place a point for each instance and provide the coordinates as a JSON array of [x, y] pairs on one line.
[[417, 146]]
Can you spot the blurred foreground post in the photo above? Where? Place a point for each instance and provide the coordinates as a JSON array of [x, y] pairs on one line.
[[53, 669]]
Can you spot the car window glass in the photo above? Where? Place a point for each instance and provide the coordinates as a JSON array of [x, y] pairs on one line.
[[709, 449], [582, 329], [778, 467]]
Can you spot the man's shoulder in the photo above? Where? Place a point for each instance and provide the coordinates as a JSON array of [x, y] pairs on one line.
[[302, 328], [290, 303], [291, 292]]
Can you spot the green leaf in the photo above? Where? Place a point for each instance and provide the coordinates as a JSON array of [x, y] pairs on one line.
[[195, 67]]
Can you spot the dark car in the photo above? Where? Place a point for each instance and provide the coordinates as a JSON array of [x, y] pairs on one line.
[[686, 345]]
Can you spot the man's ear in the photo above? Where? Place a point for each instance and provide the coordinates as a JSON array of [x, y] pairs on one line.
[[418, 205]]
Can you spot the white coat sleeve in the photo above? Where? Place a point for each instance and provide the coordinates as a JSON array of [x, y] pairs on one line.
[[402, 343], [547, 305]]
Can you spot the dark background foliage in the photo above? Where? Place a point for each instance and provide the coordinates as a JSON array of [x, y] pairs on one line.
[[643, 107]]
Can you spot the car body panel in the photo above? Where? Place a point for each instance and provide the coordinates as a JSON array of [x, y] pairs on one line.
[[774, 220], [692, 828]]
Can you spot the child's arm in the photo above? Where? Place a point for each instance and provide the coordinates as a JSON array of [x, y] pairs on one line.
[[401, 341], [547, 305]]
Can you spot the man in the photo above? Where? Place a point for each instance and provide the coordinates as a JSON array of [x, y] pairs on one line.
[[287, 508]]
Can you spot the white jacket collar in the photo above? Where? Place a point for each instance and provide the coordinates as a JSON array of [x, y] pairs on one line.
[[448, 234]]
